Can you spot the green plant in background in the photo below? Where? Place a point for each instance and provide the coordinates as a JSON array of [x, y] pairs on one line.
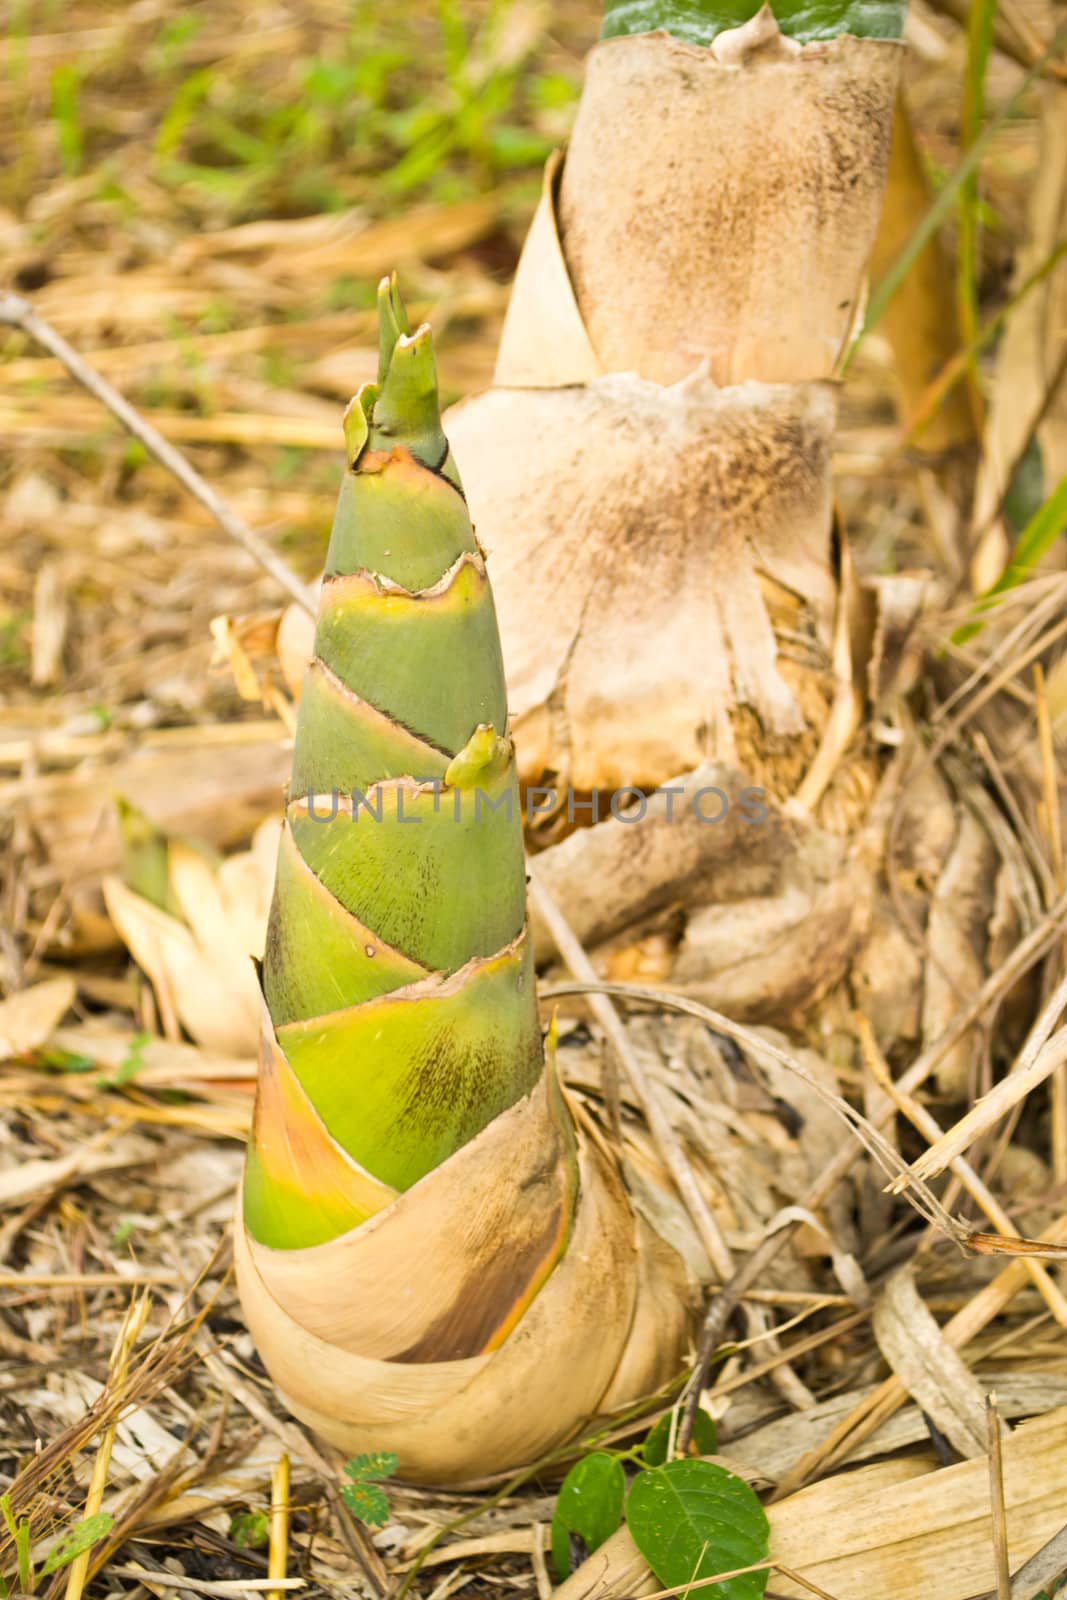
[[65, 87], [1045, 527], [444, 112], [131, 1064]]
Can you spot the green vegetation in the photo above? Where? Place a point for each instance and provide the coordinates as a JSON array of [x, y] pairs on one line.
[[691, 1519]]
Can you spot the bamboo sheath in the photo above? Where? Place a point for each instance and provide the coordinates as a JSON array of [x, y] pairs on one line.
[[651, 471]]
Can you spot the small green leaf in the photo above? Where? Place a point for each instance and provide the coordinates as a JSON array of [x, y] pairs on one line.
[[692, 1519], [8, 1514], [362, 1495], [249, 1530], [27, 1576], [66, 1061], [20, 1533], [703, 1442], [1026, 491], [375, 1464], [368, 1502], [79, 1538], [589, 1507]]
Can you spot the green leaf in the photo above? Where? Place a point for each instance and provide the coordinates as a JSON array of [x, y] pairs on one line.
[[703, 1442], [79, 1538], [66, 1061], [699, 21], [1026, 491], [368, 1502], [65, 86], [362, 1495], [589, 1507], [20, 1533], [249, 1530], [375, 1464], [979, 44], [693, 1519]]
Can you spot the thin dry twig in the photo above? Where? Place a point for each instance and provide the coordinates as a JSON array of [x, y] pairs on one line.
[[1051, 817], [996, 1496], [219, 1586], [924, 1201], [780, 1229], [1042, 1572], [708, 1230], [673, 1155], [1040, 1056], [18, 313], [877, 1407], [921, 1119]]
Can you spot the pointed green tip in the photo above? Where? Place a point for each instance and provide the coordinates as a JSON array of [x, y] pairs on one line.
[[402, 408], [405, 410], [392, 322]]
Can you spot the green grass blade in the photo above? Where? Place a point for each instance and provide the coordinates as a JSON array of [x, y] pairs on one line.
[[979, 43], [1033, 544], [953, 370], [946, 199]]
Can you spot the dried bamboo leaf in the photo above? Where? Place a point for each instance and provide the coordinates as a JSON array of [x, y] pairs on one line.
[[201, 968], [776, 1447], [29, 1016], [957, 935], [610, 878], [934, 1374]]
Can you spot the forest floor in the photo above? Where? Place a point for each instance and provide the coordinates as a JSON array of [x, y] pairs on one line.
[[201, 199]]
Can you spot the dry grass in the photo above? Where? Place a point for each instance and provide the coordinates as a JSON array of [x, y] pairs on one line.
[[201, 199]]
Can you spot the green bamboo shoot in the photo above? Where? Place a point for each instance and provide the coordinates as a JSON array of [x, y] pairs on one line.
[[429, 1257]]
